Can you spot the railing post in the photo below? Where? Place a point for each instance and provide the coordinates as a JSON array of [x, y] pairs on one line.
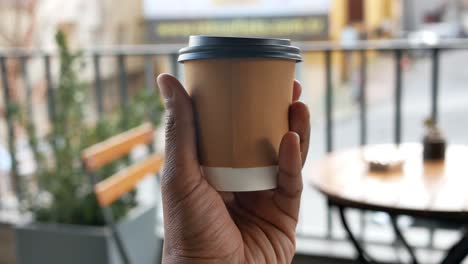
[[174, 64], [329, 125], [150, 83], [435, 84], [9, 105], [98, 84], [363, 123], [30, 125], [27, 84], [328, 102], [149, 72], [123, 87], [50, 89], [398, 95], [123, 79], [363, 99], [298, 72]]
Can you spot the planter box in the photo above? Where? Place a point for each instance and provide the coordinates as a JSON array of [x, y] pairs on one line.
[[8, 219], [39, 243], [7, 244]]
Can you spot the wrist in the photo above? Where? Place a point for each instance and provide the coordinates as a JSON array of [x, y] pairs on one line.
[[182, 258], [168, 259]]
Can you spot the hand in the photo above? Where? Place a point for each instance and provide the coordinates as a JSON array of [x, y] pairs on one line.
[[202, 225]]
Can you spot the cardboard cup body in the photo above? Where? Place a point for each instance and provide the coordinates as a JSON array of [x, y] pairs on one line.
[[241, 112]]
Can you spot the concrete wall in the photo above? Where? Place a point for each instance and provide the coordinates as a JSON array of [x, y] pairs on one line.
[[87, 24], [337, 18], [381, 11], [376, 13], [414, 11]]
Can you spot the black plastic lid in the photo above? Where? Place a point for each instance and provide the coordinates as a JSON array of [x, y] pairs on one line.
[[211, 47]]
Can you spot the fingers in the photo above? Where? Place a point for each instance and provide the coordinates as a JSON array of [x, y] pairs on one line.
[[297, 90], [181, 170], [299, 122], [288, 193]]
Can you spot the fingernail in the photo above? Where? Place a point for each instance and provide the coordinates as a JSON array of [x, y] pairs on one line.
[[296, 138], [164, 88]]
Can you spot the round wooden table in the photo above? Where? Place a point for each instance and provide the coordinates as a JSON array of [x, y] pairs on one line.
[[436, 190]]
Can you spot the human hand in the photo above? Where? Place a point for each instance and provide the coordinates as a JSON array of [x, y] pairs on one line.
[[202, 225]]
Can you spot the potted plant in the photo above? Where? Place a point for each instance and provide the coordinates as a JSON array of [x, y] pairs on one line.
[[67, 225]]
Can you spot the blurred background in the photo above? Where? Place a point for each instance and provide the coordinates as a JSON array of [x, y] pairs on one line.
[[373, 71]]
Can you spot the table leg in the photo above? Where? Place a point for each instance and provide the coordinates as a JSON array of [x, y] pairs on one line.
[[458, 252], [402, 239], [363, 257]]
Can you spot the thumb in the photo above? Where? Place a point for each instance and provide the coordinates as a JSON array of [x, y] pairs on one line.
[[181, 169]]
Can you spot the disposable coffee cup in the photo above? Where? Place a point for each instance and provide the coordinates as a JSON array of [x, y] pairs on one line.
[[241, 90]]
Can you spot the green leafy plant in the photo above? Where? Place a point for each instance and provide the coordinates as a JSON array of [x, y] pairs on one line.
[[64, 192]]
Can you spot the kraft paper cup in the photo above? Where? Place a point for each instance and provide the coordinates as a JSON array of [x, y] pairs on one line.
[[241, 90]]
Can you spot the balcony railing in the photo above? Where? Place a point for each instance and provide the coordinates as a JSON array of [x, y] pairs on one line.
[[397, 48]]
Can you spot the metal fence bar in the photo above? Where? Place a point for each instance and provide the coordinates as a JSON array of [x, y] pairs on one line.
[[123, 87], [398, 95], [150, 84], [98, 84], [299, 72], [306, 46], [435, 84], [328, 102], [316, 46], [50, 89], [363, 99], [123, 79], [9, 108], [30, 124], [363, 125], [328, 125], [27, 85], [149, 72], [174, 64]]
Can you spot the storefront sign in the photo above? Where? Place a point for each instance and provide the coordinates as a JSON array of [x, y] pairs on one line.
[[174, 20]]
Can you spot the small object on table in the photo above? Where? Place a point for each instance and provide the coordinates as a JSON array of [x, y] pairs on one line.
[[384, 159], [434, 142]]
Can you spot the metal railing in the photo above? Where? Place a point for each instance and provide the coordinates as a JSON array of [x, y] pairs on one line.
[[395, 47]]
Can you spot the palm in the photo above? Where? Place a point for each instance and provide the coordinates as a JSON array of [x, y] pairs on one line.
[[258, 216], [237, 226]]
